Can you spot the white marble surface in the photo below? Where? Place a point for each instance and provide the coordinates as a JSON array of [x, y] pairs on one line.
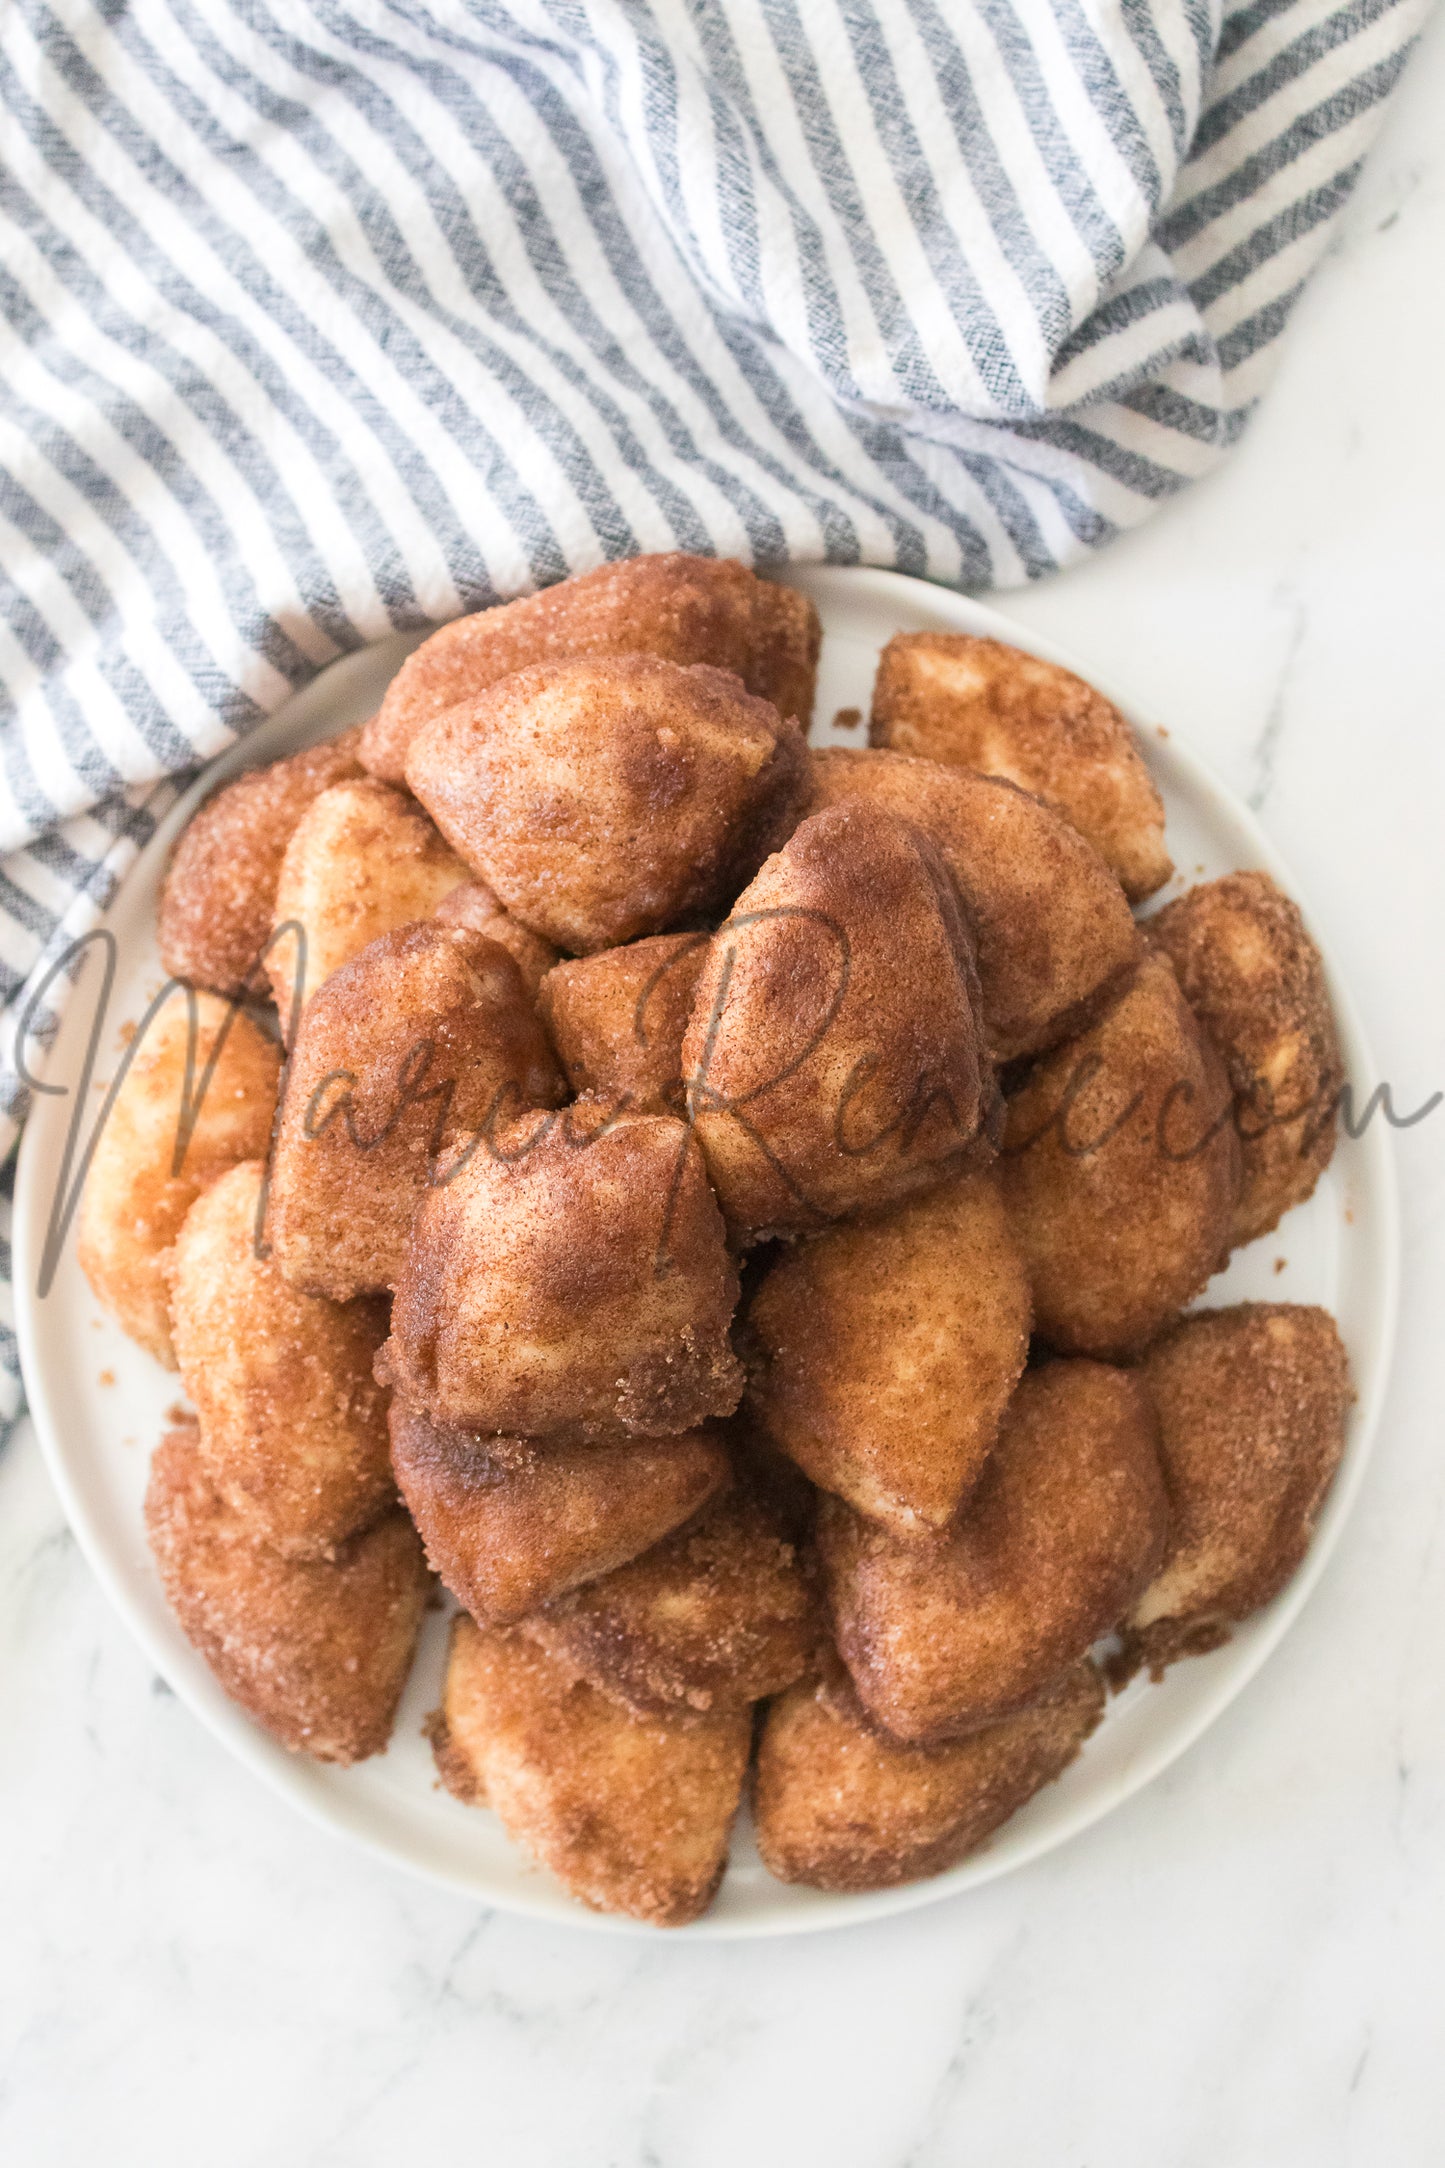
[[1242, 1968]]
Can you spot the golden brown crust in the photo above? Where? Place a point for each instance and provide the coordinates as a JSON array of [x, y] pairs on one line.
[[981, 704], [134, 1200], [474, 905], [582, 1289], [610, 798], [787, 638], [617, 1020], [1254, 979], [293, 1424], [631, 1816], [1053, 933], [1065, 1529], [362, 861], [452, 1766], [682, 609], [714, 1618], [316, 1652], [509, 1522], [1121, 1170], [1252, 1403], [407, 1051], [1052, 928], [840, 1806], [216, 905], [884, 1352], [833, 1058]]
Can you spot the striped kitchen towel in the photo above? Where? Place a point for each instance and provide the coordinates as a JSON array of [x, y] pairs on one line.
[[332, 317]]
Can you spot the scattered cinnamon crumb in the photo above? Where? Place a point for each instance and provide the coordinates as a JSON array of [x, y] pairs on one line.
[[107, 1377], [847, 718], [1280, 1263]]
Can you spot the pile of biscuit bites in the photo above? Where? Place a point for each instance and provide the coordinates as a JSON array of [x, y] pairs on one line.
[[729, 1215]]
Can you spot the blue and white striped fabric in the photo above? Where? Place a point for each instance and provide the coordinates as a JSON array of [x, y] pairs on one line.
[[331, 317]]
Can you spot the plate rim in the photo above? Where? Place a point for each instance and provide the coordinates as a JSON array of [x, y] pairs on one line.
[[284, 1776]]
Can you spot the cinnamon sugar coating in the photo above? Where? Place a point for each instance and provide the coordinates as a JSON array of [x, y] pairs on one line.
[[579, 1289], [293, 1424], [136, 1196], [1120, 1169], [679, 608], [1066, 1528], [1051, 926], [833, 1059], [617, 1020], [509, 1523], [316, 1651], [362, 861], [603, 799], [839, 1805], [631, 1815], [883, 1352], [1254, 979], [1252, 1402], [474, 905], [408, 1052], [980, 704], [217, 903], [715, 1617]]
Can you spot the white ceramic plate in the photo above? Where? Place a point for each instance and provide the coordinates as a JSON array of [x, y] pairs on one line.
[[100, 1404]]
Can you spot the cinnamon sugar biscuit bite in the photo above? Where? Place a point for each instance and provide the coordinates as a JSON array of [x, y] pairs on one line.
[[217, 904], [981, 704], [682, 609], [1052, 928], [473, 905], [362, 861], [1252, 1404], [884, 1352], [411, 1050], [631, 1815], [833, 1059], [1254, 979], [161, 1144], [510, 1522], [839, 1805], [610, 798], [581, 1288], [1120, 1169], [1065, 1529], [316, 1651], [617, 1019], [293, 1424], [716, 1617]]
